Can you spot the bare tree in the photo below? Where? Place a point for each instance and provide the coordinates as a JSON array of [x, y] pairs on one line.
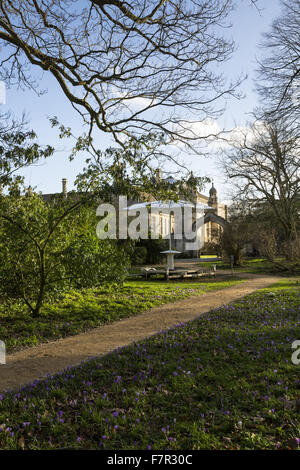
[[264, 163], [127, 68], [279, 69]]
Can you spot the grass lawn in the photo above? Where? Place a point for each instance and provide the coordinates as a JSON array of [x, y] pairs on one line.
[[257, 265], [250, 265], [224, 381], [81, 310]]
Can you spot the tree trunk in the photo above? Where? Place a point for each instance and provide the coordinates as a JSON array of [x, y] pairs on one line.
[[40, 298]]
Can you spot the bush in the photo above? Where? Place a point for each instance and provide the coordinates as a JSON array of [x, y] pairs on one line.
[[139, 255], [90, 262], [46, 248], [149, 251]]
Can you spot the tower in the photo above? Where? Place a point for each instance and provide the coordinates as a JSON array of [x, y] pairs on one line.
[[64, 187], [213, 197], [213, 230]]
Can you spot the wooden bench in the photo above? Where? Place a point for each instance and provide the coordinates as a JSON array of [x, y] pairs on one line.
[[183, 274], [179, 273], [176, 273]]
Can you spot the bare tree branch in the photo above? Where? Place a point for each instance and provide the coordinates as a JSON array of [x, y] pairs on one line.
[[279, 68], [265, 166], [127, 68]]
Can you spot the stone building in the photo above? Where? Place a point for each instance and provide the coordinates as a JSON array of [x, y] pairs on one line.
[[215, 216], [215, 219]]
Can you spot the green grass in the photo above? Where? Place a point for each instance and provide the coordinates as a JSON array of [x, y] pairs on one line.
[[249, 265], [81, 310], [252, 265], [224, 381], [255, 265], [264, 266]]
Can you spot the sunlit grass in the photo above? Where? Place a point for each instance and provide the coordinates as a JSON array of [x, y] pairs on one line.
[[79, 311], [224, 381]]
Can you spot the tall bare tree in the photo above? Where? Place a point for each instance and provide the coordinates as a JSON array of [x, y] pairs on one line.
[[127, 68], [279, 69], [264, 163]]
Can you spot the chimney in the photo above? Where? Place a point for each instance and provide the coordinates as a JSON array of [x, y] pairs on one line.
[[64, 187], [158, 173]]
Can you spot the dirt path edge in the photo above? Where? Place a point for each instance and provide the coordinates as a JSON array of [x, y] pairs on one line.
[[25, 366]]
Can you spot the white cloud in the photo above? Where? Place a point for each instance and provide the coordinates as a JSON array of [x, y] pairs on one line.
[[136, 101], [248, 133], [208, 132]]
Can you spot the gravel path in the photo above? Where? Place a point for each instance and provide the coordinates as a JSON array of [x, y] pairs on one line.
[[25, 366]]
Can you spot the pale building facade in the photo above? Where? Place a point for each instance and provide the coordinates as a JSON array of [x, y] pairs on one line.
[[161, 221]]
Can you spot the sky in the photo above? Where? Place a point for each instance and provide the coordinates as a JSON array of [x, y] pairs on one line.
[[247, 26]]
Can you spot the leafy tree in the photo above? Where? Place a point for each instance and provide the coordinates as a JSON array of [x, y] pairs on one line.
[[131, 170], [88, 261], [18, 148], [46, 247]]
